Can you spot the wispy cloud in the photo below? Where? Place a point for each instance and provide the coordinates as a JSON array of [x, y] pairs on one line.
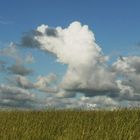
[[5, 21]]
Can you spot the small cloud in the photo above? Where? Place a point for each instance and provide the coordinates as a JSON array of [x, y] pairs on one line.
[[47, 83], [29, 58], [11, 96], [22, 82], [19, 69], [10, 51]]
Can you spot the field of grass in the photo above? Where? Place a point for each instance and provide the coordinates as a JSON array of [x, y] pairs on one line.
[[70, 125]]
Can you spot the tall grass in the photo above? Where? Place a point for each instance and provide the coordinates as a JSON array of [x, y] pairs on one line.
[[70, 125]]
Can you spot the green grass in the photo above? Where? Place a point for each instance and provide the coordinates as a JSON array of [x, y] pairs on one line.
[[70, 125]]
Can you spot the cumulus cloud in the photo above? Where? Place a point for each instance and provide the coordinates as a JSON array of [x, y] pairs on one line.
[[15, 96], [22, 81], [19, 69], [81, 103], [128, 71], [125, 65], [10, 51], [127, 92], [20, 61], [43, 83], [88, 71], [76, 47], [100, 102], [46, 83], [65, 94]]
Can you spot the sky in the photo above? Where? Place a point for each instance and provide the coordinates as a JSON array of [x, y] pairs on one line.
[[69, 53]]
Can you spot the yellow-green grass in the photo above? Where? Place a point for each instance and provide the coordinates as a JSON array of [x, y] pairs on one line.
[[70, 125]]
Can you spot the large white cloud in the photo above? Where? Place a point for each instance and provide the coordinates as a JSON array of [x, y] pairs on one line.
[[75, 46]]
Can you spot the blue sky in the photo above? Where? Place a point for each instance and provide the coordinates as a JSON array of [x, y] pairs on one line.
[[114, 23]]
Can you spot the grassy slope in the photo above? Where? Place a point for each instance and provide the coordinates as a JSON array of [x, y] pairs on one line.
[[70, 125]]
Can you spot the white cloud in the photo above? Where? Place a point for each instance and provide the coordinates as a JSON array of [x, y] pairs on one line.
[[46, 83], [10, 51], [128, 70], [42, 83], [19, 66], [20, 69], [12, 96], [76, 47], [80, 103], [23, 82]]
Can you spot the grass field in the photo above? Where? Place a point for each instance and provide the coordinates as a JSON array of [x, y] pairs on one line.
[[70, 125]]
